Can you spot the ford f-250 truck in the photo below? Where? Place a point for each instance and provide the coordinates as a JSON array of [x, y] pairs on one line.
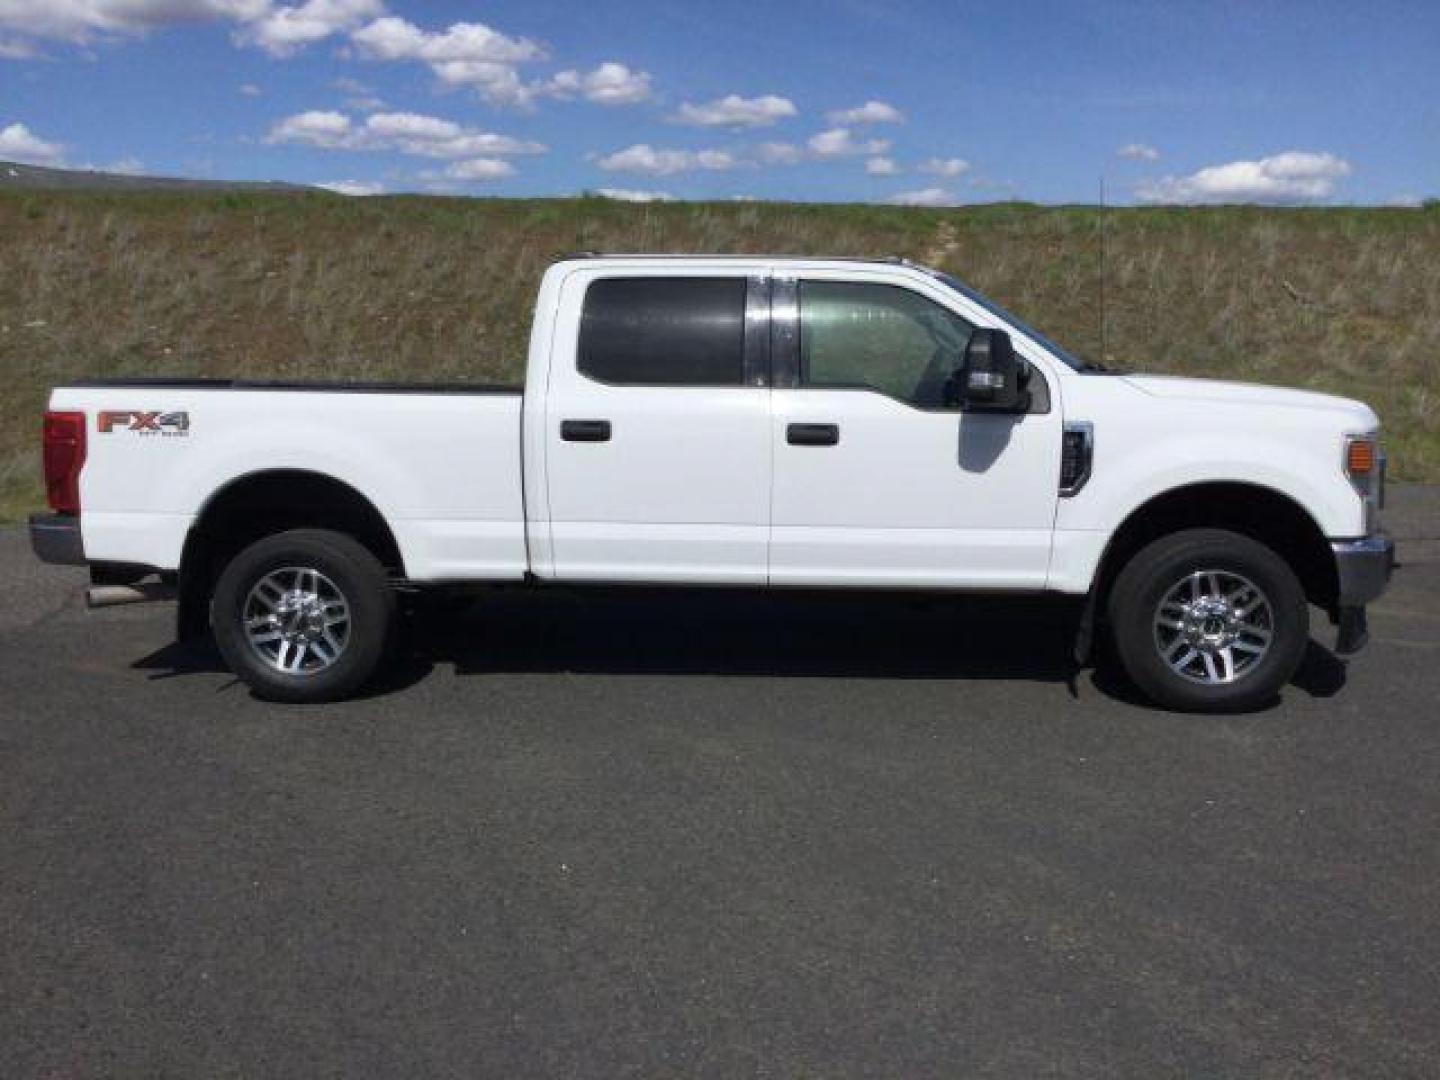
[[736, 421]]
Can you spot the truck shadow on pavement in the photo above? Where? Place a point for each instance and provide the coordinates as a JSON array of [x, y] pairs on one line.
[[746, 634]]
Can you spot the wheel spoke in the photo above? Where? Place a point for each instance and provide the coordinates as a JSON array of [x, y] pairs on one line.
[[1227, 663], [1210, 672], [1184, 661]]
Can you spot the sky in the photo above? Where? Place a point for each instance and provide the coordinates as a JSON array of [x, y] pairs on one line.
[[917, 102]]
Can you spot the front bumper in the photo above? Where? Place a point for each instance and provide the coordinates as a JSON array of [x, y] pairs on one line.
[[1362, 569], [56, 538]]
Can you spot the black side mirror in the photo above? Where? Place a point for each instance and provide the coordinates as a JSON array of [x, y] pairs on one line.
[[991, 378]]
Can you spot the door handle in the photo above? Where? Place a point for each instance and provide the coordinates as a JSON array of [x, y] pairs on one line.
[[812, 434], [585, 430]]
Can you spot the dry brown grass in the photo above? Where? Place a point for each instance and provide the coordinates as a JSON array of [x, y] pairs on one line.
[[322, 287]]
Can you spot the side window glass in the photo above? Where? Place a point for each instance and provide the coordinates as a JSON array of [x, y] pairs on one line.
[[882, 337], [655, 331]]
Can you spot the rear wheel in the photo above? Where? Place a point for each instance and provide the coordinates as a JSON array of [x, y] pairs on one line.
[[303, 616], [1209, 621]]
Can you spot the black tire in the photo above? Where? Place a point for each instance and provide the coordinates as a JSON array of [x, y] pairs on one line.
[[1149, 577], [353, 572]]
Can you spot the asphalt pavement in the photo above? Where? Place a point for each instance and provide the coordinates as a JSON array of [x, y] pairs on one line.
[[658, 834]]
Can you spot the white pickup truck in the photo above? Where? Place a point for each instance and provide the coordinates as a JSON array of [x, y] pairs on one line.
[[736, 421]]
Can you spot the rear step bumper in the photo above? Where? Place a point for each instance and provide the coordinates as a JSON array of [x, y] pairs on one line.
[[56, 539]]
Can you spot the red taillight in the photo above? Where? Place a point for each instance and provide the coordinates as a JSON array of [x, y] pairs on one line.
[[64, 454]]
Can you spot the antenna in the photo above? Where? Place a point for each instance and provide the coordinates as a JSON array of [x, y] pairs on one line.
[[1104, 351]]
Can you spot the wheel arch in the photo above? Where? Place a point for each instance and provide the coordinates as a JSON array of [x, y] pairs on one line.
[[1262, 513], [261, 503]]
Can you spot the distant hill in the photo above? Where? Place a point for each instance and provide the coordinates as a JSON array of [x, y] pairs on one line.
[[288, 285], [17, 177]]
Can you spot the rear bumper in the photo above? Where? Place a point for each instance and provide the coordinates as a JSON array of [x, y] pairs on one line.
[[1362, 569], [56, 538]]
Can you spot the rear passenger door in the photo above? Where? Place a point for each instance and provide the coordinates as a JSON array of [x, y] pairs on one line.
[[658, 427]]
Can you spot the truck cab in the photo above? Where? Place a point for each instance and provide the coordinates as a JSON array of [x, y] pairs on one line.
[[748, 421]]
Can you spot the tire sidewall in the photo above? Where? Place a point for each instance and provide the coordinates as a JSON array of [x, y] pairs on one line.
[[352, 569], [1157, 569]]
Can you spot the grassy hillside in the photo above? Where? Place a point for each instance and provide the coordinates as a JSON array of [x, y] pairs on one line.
[[317, 286]]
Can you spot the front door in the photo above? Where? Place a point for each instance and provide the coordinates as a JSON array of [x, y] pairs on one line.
[[877, 481]]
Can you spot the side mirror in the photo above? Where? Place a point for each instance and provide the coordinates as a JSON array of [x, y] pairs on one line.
[[991, 378]]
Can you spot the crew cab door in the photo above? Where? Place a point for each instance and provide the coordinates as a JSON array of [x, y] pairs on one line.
[[657, 426], [877, 482]]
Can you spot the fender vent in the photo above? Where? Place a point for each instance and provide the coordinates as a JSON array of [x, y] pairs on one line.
[[1077, 454]]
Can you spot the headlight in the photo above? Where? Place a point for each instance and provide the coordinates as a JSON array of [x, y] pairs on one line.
[[1364, 465]]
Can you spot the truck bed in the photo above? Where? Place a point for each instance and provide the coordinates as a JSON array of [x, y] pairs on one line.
[[441, 464]]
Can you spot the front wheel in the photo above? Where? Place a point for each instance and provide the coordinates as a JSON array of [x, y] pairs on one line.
[[1209, 621], [303, 616]]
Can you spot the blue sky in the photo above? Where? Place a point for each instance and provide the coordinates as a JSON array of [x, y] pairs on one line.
[[856, 100]]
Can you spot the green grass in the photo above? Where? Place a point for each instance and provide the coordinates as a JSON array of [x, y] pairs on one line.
[[315, 286]]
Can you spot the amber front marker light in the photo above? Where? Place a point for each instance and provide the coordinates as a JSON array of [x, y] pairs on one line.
[[1360, 458]]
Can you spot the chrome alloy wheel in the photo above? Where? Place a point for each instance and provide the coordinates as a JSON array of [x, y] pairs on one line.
[[297, 621], [1214, 627]]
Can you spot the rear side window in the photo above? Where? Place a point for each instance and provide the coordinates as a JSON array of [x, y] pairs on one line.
[[654, 331]]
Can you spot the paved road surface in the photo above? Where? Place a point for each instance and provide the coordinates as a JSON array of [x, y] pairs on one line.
[[656, 835]]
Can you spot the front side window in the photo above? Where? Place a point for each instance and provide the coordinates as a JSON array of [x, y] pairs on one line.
[[655, 331], [881, 337]]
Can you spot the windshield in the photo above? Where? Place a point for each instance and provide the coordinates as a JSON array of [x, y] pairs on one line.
[[1063, 354]]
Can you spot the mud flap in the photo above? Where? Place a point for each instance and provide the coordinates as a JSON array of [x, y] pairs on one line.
[[1354, 631]]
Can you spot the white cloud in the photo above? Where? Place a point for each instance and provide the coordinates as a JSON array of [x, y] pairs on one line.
[[480, 169], [946, 167], [280, 29], [609, 84], [465, 54], [631, 195], [249, 89], [1138, 152], [393, 38], [779, 153], [17, 143], [406, 133], [872, 112], [317, 127], [83, 20], [839, 142], [283, 31], [429, 136], [643, 158], [931, 196], [882, 166], [1297, 176], [354, 187], [734, 111]]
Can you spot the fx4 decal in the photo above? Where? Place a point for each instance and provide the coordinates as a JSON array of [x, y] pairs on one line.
[[170, 424]]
